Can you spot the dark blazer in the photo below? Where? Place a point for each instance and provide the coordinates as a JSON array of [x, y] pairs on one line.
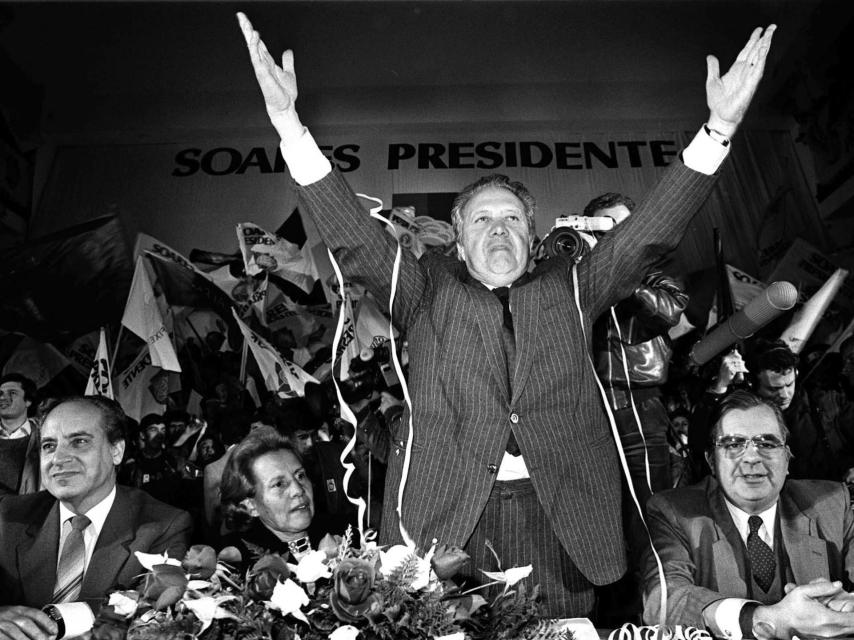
[[29, 539], [702, 551], [462, 403]]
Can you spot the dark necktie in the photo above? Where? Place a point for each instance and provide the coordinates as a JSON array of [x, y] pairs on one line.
[[69, 569], [509, 339], [762, 561]]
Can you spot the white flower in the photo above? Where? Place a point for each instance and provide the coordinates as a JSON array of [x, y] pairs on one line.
[[459, 635], [122, 605], [397, 555], [208, 608], [313, 567], [288, 597], [149, 560], [198, 585], [347, 632], [511, 576]]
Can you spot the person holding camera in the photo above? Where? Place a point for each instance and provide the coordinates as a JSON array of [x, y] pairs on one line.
[[510, 448], [632, 352]]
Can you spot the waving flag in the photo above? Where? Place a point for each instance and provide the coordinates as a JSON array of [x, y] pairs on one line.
[[143, 317], [281, 376], [99, 383]]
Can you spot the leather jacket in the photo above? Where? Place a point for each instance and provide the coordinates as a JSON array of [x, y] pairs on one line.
[[645, 318]]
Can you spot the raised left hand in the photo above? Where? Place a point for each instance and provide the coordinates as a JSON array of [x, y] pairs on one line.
[[729, 95]]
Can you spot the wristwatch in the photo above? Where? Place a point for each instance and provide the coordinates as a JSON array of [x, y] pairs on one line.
[[53, 613], [716, 135]]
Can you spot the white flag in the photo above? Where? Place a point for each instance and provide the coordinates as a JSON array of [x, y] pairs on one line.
[[280, 376], [348, 347], [99, 383], [143, 317], [140, 388], [263, 251]]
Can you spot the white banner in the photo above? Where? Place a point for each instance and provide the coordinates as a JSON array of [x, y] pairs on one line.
[[99, 383]]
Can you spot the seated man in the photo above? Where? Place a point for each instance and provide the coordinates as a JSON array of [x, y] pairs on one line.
[[75, 542], [734, 546]]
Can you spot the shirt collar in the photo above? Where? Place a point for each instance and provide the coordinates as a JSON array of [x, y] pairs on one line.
[[23, 431], [740, 518], [97, 515]]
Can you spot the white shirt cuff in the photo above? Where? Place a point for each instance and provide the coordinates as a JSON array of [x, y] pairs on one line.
[[726, 618], [305, 160], [704, 154]]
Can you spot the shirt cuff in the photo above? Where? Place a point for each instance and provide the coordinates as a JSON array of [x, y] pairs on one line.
[[725, 623], [704, 154], [305, 160]]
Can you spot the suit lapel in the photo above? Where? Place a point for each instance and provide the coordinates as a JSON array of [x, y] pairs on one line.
[[37, 556], [729, 567], [112, 549], [807, 553], [524, 304], [488, 313]]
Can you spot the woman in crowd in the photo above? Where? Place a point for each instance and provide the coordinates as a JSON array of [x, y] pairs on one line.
[[267, 498]]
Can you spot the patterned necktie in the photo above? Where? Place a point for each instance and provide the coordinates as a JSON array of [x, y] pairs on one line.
[[69, 569], [762, 560]]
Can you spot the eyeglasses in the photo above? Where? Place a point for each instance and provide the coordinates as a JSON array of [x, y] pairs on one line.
[[735, 446]]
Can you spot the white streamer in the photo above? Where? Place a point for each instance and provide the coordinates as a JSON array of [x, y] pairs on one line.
[[622, 454], [395, 276]]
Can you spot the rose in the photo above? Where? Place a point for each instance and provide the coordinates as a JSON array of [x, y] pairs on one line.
[[200, 561], [447, 561], [354, 580], [165, 585], [264, 575], [353, 593]]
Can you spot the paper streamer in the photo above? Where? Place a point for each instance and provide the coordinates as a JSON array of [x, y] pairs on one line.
[[347, 413], [622, 454]]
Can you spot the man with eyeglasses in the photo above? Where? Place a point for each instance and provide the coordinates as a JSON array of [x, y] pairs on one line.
[[746, 553]]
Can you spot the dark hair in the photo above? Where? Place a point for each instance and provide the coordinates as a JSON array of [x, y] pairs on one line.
[[742, 400], [27, 385], [238, 481], [608, 200], [176, 415], [150, 419], [115, 421], [773, 356], [495, 180]]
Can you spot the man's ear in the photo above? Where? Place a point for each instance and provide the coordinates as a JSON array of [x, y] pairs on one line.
[[250, 506], [710, 460], [461, 252]]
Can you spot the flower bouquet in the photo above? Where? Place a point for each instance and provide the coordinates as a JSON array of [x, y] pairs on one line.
[[336, 592]]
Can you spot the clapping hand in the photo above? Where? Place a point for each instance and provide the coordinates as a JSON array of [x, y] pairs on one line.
[[729, 95]]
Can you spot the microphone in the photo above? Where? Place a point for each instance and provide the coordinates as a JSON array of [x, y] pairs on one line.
[[777, 298]]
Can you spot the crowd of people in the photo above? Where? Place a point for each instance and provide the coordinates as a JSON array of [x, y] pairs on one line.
[[735, 470]]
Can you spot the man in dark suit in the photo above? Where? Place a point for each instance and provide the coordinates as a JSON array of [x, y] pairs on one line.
[[509, 441], [82, 440], [734, 546]]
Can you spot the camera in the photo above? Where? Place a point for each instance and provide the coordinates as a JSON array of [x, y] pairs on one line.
[[572, 236]]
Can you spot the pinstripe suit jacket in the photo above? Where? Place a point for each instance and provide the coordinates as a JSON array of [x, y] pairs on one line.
[[703, 554], [462, 399]]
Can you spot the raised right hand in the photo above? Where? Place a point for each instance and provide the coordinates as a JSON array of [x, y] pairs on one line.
[[25, 623], [278, 83]]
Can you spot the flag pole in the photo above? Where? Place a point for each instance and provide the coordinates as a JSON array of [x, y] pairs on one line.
[[243, 355], [116, 348]]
